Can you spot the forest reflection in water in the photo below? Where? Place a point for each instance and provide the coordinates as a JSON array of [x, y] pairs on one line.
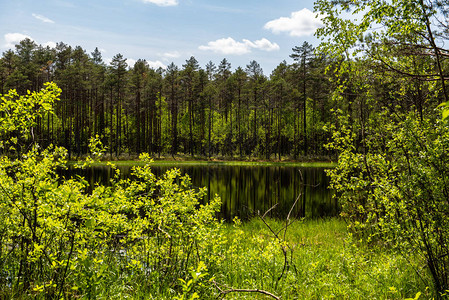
[[246, 191]]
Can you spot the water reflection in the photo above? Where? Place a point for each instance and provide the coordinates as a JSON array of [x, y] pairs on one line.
[[246, 190]]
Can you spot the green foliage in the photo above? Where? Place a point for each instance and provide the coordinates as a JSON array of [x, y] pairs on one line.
[[57, 240], [445, 111], [392, 162], [188, 286], [397, 192], [18, 114], [214, 112], [327, 266], [151, 237]]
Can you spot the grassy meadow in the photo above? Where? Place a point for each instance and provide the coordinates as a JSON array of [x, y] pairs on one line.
[[322, 263]]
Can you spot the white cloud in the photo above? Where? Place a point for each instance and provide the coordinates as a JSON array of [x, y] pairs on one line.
[[152, 64], [156, 64], [162, 2], [263, 44], [170, 55], [13, 39], [43, 18], [300, 23], [131, 62], [226, 46], [230, 46], [50, 44]]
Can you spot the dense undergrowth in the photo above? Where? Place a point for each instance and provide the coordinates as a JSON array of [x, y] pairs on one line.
[[323, 263], [149, 238]]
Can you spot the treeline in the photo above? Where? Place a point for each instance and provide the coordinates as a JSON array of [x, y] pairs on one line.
[[187, 110]]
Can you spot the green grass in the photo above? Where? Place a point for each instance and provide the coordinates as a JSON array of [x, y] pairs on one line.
[[322, 264]]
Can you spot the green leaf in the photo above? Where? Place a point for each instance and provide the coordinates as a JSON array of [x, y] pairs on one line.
[[90, 223], [445, 114]]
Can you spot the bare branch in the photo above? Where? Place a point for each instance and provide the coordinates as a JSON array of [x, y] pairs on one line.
[[284, 246], [428, 77], [269, 210], [232, 290]]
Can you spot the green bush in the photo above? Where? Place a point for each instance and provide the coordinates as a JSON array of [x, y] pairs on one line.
[[397, 192], [58, 240]]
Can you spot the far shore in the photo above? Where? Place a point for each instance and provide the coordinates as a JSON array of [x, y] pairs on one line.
[[180, 161]]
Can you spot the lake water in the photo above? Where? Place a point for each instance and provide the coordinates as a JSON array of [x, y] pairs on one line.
[[248, 190]]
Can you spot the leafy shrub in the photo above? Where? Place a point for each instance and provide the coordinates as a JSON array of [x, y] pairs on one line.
[[57, 240], [397, 192]]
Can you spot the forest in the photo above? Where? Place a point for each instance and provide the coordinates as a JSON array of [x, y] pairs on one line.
[[373, 95], [188, 110]]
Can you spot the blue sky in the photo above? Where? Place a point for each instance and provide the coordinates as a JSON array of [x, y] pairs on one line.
[[164, 31]]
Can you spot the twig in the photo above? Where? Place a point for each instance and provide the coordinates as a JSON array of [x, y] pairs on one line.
[[304, 184], [281, 240], [269, 210], [291, 209], [300, 173], [232, 290], [287, 222]]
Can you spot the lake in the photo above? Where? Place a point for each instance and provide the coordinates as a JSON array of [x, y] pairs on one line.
[[247, 190]]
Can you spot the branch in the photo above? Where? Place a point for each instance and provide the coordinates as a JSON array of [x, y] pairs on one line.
[[415, 46], [283, 239], [417, 76], [288, 216], [269, 210], [232, 290]]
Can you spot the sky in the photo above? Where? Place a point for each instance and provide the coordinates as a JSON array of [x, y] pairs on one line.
[[165, 31]]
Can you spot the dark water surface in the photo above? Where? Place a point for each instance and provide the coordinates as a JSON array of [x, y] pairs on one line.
[[247, 190]]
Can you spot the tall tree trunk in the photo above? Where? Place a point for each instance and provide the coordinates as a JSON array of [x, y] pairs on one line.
[[111, 133], [138, 122], [305, 109]]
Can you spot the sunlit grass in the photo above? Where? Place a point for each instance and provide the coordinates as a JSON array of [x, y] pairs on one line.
[[322, 264]]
